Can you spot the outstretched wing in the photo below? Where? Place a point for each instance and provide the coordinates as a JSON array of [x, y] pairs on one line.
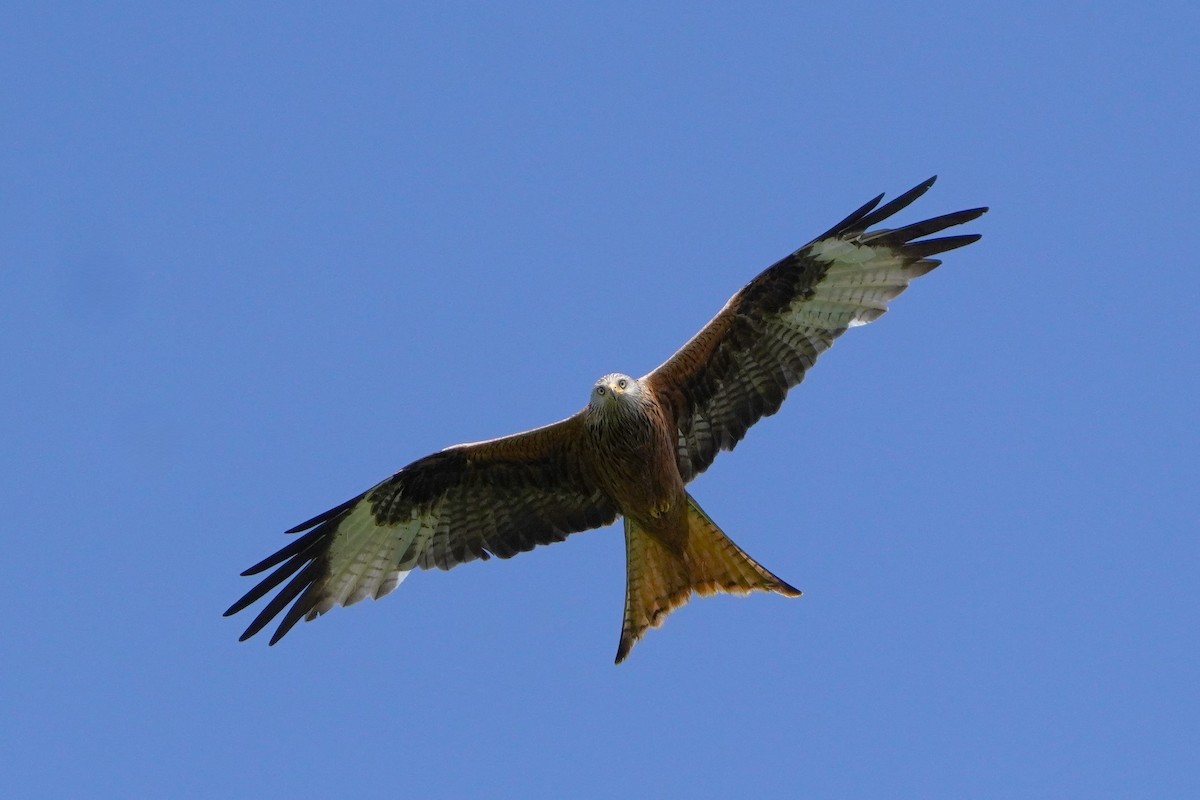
[[495, 498], [739, 367]]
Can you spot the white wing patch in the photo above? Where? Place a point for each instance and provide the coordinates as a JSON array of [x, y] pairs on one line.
[[365, 557], [857, 286]]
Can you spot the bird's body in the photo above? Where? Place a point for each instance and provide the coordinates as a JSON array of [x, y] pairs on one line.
[[630, 452], [672, 547], [627, 431]]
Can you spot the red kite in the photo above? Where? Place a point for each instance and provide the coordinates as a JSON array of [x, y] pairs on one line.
[[628, 453]]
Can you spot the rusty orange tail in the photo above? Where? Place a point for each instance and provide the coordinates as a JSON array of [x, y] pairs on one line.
[[659, 580]]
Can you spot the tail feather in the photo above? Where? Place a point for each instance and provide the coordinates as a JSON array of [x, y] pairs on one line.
[[660, 579]]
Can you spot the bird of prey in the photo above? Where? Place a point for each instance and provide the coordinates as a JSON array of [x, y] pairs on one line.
[[630, 452]]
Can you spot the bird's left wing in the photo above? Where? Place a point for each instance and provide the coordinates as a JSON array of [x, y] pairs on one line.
[[495, 498], [740, 365]]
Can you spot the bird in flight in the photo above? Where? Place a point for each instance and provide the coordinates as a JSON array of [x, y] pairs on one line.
[[630, 452]]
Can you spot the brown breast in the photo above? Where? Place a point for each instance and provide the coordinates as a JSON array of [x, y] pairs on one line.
[[635, 460]]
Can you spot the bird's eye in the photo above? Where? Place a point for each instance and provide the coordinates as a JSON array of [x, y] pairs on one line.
[[623, 383], [600, 390]]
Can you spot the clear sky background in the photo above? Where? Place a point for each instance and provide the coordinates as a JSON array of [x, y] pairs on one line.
[[255, 258]]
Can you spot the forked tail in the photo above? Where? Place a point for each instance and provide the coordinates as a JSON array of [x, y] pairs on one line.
[[659, 579]]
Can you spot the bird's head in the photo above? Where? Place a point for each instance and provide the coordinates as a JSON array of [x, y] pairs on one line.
[[614, 392]]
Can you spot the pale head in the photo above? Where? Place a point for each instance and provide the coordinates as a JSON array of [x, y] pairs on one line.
[[614, 392]]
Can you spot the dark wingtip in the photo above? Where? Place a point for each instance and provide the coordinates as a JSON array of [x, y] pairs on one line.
[[924, 186], [893, 206], [867, 214], [301, 582], [278, 557], [932, 247], [325, 516], [974, 213], [250, 597], [849, 222], [297, 612], [254, 627]]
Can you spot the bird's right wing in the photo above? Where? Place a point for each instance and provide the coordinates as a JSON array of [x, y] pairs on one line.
[[495, 498]]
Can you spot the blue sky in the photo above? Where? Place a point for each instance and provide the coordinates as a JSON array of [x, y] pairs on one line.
[[254, 259]]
